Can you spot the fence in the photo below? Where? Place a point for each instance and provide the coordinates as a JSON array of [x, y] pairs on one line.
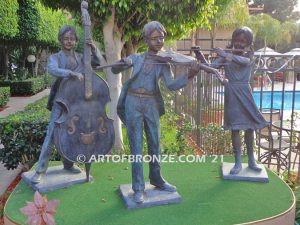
[[276, 90]]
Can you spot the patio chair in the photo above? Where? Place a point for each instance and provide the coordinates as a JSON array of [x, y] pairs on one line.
[[294, 143], [270, 115], [268, 139], [275, 149], [293, 139]]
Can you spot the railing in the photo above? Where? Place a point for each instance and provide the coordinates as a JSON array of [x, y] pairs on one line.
[[276, 88]]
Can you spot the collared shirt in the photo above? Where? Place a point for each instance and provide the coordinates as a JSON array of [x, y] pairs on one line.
[[147, 76]]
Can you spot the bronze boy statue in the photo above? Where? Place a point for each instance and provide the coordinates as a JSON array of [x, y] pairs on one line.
[[63, 66], [140, 105]]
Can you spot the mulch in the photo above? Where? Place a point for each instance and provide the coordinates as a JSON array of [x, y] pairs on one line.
[[4, 197], [3, 108]]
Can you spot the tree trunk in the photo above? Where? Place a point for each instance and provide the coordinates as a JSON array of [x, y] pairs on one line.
[[38, 59], [42, 68], [4, 62], [130, 49], [113, 47], [6, 65], [213, 35], [193, 41]]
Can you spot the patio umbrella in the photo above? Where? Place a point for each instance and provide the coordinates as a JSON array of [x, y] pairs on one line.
[[294, 51], [267, 51]]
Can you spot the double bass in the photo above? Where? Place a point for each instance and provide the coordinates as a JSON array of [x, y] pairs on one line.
[[83, 130]]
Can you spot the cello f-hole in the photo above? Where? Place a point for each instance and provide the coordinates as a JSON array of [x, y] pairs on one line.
[[71, 125], [102, 128]]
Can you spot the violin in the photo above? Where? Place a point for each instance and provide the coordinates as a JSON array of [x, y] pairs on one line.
[[177, 58]]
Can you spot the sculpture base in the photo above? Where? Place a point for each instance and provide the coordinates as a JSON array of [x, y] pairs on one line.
[[204, 193], [246, 173], [152, 196], [55, 178]]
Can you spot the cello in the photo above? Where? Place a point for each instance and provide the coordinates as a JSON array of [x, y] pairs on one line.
[[83, 130]]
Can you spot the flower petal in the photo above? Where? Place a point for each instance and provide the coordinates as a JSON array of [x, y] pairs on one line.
[[51, 205], [30, 209], [48, 218], [34, 220], [39, 201]]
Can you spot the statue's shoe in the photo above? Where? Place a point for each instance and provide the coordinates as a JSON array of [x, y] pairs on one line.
[[236, 169], [73, 170], [254, 166], [166, 187], [37, 178], [138, 197]]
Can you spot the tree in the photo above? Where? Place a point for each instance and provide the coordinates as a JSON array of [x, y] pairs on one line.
[[270, 30], [27, 27], [8, 30], [8, 18], [230, 14], [281, 10], [49, 23], [288, 31], [121, 23], [264, 27]]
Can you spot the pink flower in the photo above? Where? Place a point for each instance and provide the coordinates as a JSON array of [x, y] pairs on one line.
[[40, 212]]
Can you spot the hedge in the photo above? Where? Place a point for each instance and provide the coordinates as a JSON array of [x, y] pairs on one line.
[[22, 135], [5, 83], [27, 87], [4, 95], [8, 18]]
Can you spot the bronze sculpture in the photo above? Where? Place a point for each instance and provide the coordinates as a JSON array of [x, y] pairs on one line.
[[240, 110], [78, 124], [140, 105]]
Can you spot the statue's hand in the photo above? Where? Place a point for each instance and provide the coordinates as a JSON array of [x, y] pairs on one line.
[[194, 69], [92, 45], [220, 52], [128, 61], [78, 75]]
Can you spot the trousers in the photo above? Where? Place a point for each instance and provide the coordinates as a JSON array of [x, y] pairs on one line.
[[141, 113]]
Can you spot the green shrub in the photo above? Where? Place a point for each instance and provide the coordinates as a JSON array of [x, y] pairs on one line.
[[215, 141], [48, 80], [5, 83], [297, 195], [27, 87], [22, 135], [9, 19], [4, 95], [172, 136]]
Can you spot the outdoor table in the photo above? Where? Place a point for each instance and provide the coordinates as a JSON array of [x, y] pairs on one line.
[[285, 125]]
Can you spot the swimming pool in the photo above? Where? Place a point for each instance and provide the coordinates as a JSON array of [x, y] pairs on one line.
[[277, 99]]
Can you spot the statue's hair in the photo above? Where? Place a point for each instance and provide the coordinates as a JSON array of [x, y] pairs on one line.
[[152, 26], [243, 30], [64, 30], [248, 34]]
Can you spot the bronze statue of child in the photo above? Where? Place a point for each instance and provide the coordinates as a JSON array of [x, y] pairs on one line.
[[61, 65], [141, 105], [240, 110]]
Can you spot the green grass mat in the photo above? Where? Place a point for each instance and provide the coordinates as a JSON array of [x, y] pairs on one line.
[[207, 199]]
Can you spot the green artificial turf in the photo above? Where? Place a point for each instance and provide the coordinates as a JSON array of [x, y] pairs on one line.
[[206, 198]]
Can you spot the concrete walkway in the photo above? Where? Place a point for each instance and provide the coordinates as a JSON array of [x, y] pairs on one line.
[[15, 104]]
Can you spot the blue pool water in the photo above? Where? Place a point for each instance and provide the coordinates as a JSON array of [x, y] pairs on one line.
[[277, 99]]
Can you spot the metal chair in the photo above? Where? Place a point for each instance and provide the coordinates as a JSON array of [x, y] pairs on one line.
[[269, 140], [275, 149]]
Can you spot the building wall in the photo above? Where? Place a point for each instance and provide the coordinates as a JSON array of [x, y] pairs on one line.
[[202, 38]]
